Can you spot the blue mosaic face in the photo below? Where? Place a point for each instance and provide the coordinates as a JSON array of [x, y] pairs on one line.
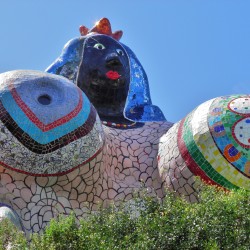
[[104, 75], [111, 76]]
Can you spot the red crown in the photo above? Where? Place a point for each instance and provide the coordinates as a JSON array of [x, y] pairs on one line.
[[101, 27]]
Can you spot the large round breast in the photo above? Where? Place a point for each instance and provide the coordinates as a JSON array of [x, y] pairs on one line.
[[47, 124], [214, 140]]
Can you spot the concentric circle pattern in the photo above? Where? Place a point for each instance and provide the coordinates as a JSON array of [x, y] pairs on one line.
[[47, 124], [214, 140]]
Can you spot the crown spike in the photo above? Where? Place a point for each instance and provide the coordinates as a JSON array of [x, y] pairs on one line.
[[117, 35], [83, 30], [103, 26]]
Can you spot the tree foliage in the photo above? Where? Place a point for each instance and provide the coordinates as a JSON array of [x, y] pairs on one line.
[[221, 220]]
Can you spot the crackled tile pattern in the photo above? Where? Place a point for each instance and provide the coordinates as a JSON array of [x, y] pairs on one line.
[[173, 168], [38, 199], [62, 159], [128, 159], [83, 165]]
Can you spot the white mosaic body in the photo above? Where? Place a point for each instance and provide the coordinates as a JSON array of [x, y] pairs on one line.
[[129, 158], [173, 169], [74, 163]]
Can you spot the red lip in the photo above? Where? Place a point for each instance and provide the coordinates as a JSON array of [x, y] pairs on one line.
[[113, 75]]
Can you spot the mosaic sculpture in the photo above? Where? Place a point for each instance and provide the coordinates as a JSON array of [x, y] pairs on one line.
[[73, 146]]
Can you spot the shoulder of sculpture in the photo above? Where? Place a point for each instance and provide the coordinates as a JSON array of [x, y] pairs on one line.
[[147, 128]]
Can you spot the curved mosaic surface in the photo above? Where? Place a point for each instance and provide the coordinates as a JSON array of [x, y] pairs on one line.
[[47, 124], [53, 158], [214, 141]]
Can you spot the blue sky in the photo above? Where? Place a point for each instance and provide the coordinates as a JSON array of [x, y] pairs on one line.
[[192, 50]]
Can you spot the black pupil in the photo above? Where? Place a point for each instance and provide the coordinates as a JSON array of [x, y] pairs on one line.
[[44, 99]]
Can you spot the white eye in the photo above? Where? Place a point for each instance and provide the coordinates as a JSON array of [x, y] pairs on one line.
[[120, 52], [99, 46]]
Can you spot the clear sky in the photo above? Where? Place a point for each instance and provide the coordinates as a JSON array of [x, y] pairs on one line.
[[191, 50]]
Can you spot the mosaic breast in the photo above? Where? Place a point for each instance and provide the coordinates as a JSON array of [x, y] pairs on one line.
[[214, 141], [47, 124]]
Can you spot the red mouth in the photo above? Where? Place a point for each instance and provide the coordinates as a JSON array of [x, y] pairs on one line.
[[113, 75]]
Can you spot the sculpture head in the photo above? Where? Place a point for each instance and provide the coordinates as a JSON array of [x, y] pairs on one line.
[[109, 73], [103, 75]]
